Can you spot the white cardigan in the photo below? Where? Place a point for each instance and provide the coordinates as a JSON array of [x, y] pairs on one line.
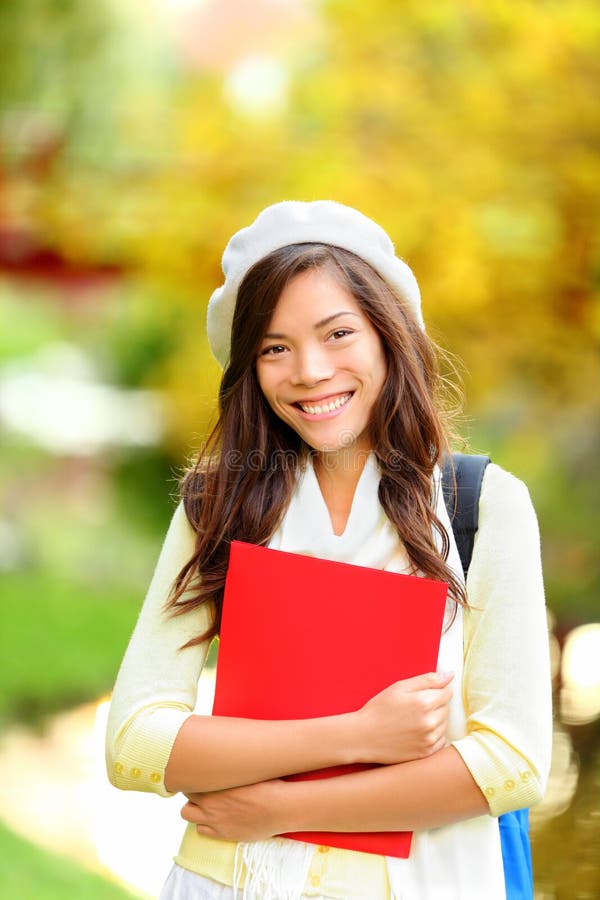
[[500, 721]]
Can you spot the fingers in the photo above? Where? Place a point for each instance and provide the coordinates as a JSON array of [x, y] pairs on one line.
[[191, 812], [434, 699], [434, 736], [427, 681], [408, 719], [433, 687], [431, 747], [434, 690]]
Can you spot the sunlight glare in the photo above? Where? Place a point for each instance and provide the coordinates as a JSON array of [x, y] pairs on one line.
[[257, 85], [580, 692]]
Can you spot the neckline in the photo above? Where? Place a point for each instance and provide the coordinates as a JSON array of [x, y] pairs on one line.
[[366, 482]]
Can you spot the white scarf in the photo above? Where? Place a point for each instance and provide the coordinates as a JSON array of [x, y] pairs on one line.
[[457, 862]]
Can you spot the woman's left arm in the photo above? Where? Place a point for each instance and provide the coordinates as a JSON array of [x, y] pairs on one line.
[[507, 684], [410, 796], [501, 764]]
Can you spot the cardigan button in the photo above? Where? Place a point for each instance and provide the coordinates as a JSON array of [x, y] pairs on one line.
[[509, 785], [155, 777], [135, 772], [118, 768], [489, 792], [525, 776], [323, 849]]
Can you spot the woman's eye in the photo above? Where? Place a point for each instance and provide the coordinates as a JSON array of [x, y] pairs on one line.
[[272, 351], [340, 333]]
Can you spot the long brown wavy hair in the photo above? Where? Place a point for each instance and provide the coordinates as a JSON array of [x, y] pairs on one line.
[[241, 482]]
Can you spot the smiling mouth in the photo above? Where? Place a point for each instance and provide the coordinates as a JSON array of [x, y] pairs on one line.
[[317, 409]]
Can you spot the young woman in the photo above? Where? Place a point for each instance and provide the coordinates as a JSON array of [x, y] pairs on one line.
[[329, 443]]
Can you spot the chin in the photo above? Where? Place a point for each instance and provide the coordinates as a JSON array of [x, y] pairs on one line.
[[338, 446]]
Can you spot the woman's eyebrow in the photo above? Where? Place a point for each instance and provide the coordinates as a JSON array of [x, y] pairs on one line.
[[271, 335]]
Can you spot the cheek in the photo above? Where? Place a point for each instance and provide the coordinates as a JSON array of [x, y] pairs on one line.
[[268, 386]]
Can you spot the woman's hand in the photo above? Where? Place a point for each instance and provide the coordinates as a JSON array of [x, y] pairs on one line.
[[248, 813], [407, 720]]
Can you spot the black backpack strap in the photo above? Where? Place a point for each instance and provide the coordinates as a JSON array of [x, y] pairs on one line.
[[463, 507]]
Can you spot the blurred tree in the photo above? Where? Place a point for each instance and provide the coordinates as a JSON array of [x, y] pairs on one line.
[[469, 130], [52, 53]]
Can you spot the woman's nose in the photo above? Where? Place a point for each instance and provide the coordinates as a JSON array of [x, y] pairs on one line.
[[310, 367]]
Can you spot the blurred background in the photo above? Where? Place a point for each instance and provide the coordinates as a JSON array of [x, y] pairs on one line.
[[135, 138]]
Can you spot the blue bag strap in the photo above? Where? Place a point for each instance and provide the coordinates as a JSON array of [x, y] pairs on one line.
[[516, 854]]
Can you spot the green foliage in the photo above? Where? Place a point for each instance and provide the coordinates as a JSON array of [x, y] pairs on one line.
[[28, 873], [469, 130], [61, 642], [26, 326], [51, 53], [558, 464]]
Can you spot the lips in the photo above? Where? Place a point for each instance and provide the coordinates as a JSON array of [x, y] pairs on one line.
[[324, 405]]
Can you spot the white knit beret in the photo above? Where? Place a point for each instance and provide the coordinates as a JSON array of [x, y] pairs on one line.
[[299, 222]]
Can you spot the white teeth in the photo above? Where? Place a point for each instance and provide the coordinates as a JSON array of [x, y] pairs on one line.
[[326, 407]]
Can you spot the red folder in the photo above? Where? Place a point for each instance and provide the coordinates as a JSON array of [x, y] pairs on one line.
[[303, 637]]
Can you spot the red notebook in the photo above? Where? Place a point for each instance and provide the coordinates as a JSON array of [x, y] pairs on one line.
[[303, 637]]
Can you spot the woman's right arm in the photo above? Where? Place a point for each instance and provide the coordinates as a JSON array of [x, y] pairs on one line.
[[155, 743], [155, 691]]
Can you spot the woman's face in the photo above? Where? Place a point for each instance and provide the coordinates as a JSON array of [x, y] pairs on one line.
[[321, 364]]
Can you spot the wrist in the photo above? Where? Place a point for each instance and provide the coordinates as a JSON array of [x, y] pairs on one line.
[[352, 742], [358, 733]]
